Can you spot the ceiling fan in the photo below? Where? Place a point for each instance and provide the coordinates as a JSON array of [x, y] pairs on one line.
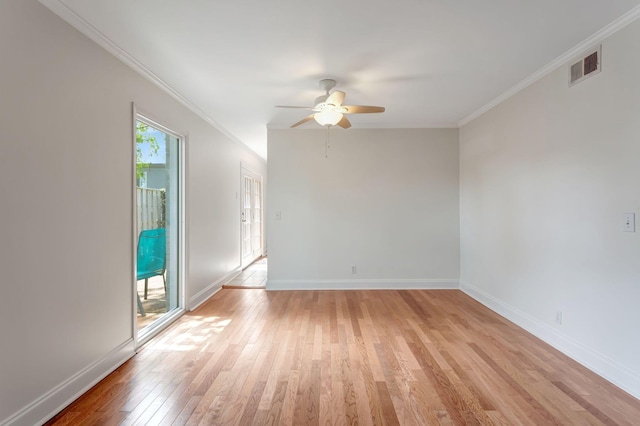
[[328, 109]]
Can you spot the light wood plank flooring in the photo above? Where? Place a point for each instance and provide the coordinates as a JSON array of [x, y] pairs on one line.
[[347, 357]]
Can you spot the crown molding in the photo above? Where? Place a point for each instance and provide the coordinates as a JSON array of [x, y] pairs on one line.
[[443, 125], [570, 54], [76, 21], [72, 18]]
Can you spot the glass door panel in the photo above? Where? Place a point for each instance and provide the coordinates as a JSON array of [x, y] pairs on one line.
[[246, 219], [256, 219], [251, 217], [158, 202]]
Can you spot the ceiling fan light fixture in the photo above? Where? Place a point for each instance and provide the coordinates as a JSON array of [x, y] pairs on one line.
[[328, 109], [327, 117]]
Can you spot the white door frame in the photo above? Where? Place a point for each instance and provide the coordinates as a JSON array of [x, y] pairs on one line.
[[153, 329], [246, 171]]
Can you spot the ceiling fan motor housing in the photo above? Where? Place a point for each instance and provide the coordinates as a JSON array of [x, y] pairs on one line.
[[327, 84]]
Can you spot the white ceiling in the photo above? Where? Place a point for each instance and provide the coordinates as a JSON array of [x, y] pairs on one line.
[[430, 63]]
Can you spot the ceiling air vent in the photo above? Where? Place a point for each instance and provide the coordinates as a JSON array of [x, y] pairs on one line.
[[587, 66]]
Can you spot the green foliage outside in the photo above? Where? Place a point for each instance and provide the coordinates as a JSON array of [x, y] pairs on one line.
[[142, 137]]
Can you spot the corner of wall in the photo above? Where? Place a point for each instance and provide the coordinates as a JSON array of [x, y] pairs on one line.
[[204, 295], [600, 364]]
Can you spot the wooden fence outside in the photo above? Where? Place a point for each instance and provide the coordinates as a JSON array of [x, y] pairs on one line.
[[151, 208]]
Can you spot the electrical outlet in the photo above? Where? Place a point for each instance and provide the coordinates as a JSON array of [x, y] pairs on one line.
[[629, 222], [354, 269], [559, 317]]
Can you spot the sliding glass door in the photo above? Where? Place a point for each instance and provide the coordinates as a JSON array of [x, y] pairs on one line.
[[158, 225]]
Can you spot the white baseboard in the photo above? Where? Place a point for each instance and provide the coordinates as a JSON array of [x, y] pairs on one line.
[[426, 284], [204, 294], [602, 365], [52, 402]]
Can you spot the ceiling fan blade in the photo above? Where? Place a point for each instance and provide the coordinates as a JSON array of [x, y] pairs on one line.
[[344, 123], [304, 120], [362, 109], [289, 106], [335, 98]]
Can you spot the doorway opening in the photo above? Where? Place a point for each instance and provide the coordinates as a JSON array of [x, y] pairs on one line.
[[253, 276], [251, 217]]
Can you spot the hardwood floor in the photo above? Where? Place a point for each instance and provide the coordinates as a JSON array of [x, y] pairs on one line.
[[347, 357]]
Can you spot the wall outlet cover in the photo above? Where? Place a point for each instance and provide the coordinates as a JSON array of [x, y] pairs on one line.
[[629, 222]]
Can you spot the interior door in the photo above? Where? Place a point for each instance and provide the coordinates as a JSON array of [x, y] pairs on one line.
[[256, 223], [251, 217]]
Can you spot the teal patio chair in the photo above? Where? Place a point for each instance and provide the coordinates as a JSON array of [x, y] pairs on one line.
[[152, 252]]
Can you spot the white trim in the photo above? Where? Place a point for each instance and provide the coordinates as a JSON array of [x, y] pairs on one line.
[[185, 221], [364, 284], [561, 60], [161, 323], [388, 126], [79, 23], [76, 21], [146, 117], [134, 221], [204, 294], [152, 330], [600, 364], [52, 402], [245, 170]]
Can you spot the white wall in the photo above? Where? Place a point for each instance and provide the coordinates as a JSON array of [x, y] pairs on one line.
[[384, 200], [544, 180], [66, 208]]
